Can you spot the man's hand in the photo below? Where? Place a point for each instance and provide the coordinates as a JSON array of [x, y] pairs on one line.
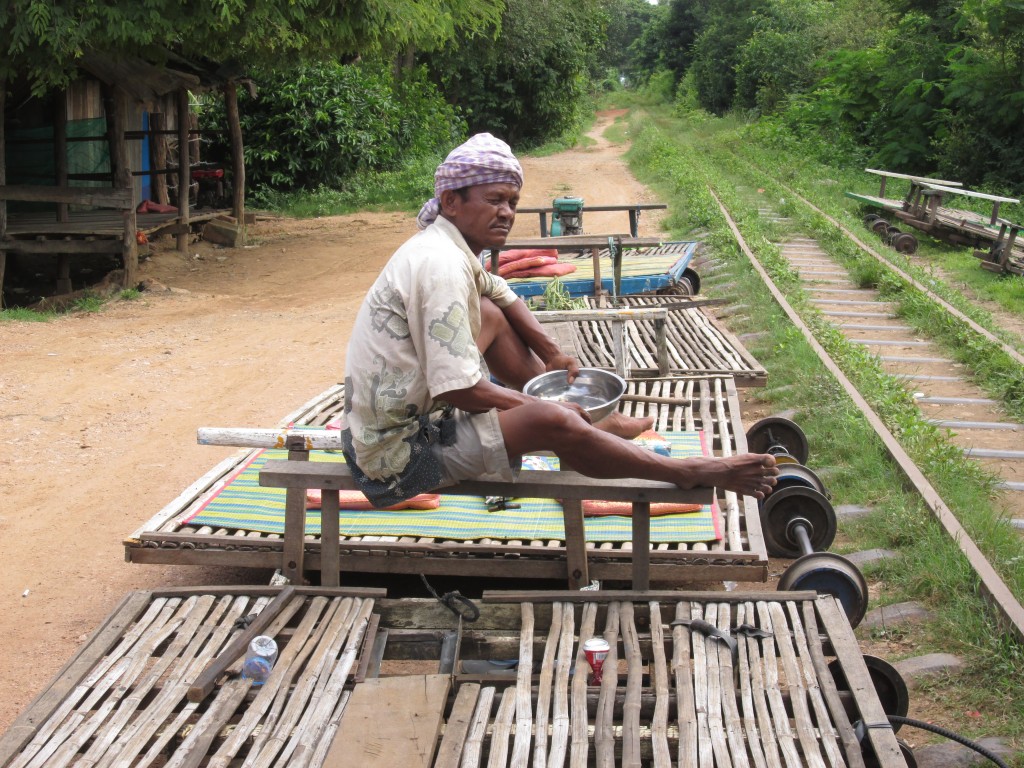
[[563, 362]]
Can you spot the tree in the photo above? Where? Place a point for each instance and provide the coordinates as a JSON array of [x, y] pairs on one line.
[[41, 40], [531, 82]]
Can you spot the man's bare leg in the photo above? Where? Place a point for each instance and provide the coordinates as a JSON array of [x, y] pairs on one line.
[[597, 453], [507, 356]]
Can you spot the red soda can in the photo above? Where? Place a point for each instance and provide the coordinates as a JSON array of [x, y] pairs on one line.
[[596, 650]]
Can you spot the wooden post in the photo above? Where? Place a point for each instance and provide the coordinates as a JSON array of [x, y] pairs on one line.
[[641, 546], [294, 549], [3, 181], [184, 169], [237, 159], [60, 165], [60, 149], [575, 543], [120, 166], [158, 156]]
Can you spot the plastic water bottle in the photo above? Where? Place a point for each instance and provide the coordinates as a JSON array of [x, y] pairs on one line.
[[259, 659]]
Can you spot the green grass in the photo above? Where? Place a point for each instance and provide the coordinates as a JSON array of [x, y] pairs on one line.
[[23, 315], [679, 160]]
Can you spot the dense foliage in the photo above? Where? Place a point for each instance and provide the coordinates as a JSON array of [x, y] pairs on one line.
[[338, 120], [531, 82], [919, 86], [40, 40]]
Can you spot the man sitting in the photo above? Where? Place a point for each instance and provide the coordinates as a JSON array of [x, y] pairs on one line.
[[421, 410]]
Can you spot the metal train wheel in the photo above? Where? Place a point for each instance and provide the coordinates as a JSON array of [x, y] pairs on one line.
[[792, 475], [784, 510], [690, 281], [780, 437], [904, 242], [889, 684], [829, 574]]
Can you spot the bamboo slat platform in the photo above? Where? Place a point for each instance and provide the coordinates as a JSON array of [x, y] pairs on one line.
[[697, 344], [123, 699], [373, 682], [683, 403]]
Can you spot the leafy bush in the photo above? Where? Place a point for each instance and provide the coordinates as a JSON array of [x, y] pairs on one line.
[[316, 125]]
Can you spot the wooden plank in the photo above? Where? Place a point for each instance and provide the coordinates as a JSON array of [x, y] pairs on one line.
[[61, 246], [634, 684], [543, 484], [391, 721], [561, 722], [925, 179], [121, 199], [580, 242], [969, 193], [851, 661], [599, 208], [524, 677], [183, 165], [203, 684], [604, 722], [575, 543], [498, 757], [579, 750], [471, 753]]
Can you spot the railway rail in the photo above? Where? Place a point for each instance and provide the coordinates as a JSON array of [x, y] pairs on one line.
[[990, 582]]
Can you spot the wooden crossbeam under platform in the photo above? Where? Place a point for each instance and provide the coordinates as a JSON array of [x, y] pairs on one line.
[[690, 678]]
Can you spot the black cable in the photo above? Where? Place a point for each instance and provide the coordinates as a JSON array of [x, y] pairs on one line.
[[861, 730], [455, 602], [949, 735]]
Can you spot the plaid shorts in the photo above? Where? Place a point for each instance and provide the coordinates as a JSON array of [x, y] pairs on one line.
[[457, 446]]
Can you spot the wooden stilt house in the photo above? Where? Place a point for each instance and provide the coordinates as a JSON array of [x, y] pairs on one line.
[[108, 162]]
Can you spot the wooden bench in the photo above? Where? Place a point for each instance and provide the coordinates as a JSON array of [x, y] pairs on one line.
[[67, 236], [633, 208], [297, 474], [943, 190]]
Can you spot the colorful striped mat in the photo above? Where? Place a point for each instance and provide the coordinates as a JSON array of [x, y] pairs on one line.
[[243, 504]]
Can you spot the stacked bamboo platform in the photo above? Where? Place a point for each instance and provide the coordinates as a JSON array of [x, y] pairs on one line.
[[696, 343], [679, 403], [711, 679]]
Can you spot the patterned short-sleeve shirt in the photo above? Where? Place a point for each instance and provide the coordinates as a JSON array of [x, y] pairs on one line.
[[413, 340]]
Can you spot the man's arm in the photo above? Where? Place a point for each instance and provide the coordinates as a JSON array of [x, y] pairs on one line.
[[485, 395], [526, 326]]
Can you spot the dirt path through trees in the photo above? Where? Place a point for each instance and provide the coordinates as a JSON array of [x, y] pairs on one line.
[[99, 411]]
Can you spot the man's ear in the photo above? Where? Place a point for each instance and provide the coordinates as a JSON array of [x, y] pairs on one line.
[[449, 202]]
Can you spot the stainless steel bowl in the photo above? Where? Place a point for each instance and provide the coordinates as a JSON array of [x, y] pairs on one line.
[[594, 390]]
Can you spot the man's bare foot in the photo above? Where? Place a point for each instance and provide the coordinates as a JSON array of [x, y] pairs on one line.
[[620, 425], [750, 474]]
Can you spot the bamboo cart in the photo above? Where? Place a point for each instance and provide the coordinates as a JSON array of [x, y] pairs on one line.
[[926, 207], [714, 679], [708, 403]]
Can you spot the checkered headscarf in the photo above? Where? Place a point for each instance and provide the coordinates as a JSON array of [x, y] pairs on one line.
[[483, 159]]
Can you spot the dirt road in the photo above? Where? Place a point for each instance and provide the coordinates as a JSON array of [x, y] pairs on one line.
[[99, 411]]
